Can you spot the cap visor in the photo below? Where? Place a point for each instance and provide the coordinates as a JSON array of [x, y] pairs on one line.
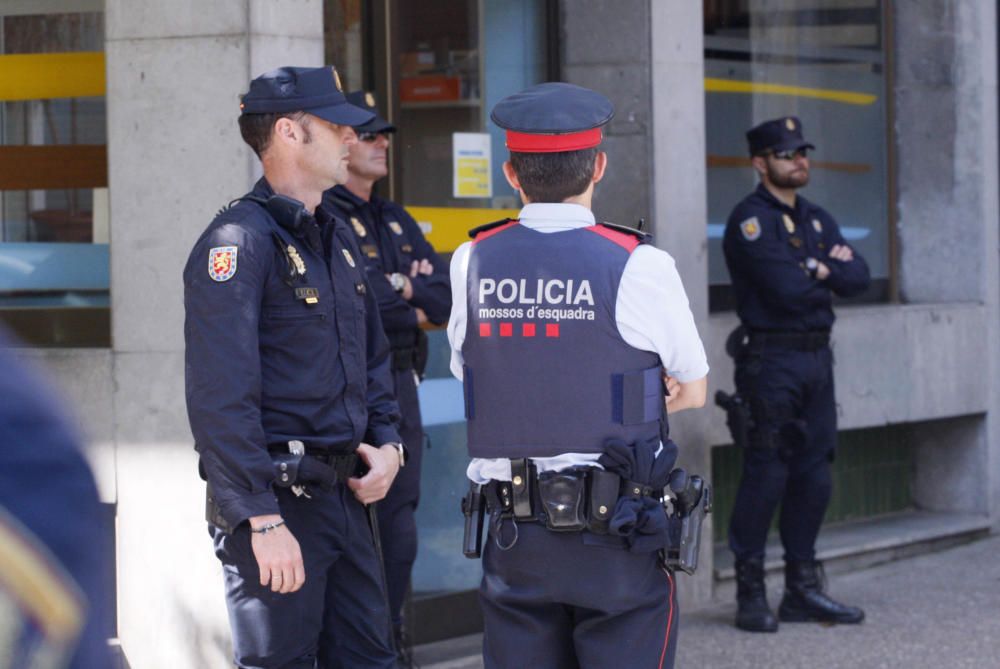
[[342, 114], [793, 145], [377, 124]]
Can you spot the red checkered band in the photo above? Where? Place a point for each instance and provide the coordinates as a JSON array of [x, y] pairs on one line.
[[523, 142]]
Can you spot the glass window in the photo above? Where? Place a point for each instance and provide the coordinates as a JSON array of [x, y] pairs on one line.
[[820, 60], [54, 231]]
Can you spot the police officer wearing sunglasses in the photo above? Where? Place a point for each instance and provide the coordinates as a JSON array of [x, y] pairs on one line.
[[411, 286], [787, 258]]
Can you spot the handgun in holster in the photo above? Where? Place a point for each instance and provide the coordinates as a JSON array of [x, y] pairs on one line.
[[739, 418], [474, 510], [691, 499]]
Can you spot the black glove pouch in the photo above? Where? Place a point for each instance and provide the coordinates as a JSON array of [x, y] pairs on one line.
[[563, 496], [286, 469]]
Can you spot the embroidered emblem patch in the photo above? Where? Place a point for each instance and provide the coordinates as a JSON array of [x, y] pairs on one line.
[[750, 229], [817, 226], [300, 265], [789, 223], [348, 257], [359, 229], [222, 263], [396, 227]]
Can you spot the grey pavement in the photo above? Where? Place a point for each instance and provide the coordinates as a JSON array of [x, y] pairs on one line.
[[932, 611]]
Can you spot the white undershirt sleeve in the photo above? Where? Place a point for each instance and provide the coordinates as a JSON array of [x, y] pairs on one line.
[[457, 321]]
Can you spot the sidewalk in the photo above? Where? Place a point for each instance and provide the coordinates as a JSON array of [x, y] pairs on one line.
[[927, 612]]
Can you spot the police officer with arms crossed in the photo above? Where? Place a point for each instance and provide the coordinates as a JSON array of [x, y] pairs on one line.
[[786, 257], [288, 389], [560, 330], [411, 285]]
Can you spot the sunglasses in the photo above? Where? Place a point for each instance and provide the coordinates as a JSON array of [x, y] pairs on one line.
[[790, 154], [370, 137]]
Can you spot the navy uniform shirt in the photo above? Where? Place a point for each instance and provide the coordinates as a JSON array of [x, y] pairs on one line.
[[766, 244], [283, 342], [390, 242]]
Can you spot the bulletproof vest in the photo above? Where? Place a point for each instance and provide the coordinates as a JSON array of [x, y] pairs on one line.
[[545, 369]]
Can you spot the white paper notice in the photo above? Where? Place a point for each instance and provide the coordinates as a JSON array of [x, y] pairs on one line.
[[471, 164]]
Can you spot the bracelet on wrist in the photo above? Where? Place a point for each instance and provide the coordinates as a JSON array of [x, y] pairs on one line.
[[264, 529]]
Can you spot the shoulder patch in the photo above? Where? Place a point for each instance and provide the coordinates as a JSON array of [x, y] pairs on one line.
[[750, 229], [488, 227], [222, 262]]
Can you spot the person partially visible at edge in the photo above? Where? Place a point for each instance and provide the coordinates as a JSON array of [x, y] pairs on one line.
[[411, 286], [54, 541], [560, 330], [787, 258], [285, 353]]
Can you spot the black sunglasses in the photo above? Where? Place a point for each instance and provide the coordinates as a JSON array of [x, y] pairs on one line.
[[790, 154], [370, 136]]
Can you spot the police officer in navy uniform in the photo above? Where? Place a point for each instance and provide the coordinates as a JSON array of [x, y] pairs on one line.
[[560, 330], [289, 391], [410, 282], [786, 257], [54, 585]]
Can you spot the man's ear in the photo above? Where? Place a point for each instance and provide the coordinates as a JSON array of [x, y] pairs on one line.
[[760, 164], [285, 130], [600, 165], [508, 172]]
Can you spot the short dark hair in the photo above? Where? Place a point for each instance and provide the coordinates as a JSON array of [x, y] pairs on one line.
[[554, 177], [256, 129]]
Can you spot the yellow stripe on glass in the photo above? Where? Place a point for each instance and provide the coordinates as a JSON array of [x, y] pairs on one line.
[[43, 76], [447, 227], [732, 86]]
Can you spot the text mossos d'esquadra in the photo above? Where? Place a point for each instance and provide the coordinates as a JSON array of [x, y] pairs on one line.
[[546, 299]]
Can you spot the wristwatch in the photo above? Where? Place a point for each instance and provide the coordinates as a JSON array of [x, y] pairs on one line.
[[397, 281], [812, 265], [401, 450]]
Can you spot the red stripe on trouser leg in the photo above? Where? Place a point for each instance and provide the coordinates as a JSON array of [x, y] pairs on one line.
[[551, 329], [506, 329], [484, 330], [670, 620]]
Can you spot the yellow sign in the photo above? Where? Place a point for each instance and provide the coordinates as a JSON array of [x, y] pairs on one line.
[[446, 228], [472, 177], [43, 76]]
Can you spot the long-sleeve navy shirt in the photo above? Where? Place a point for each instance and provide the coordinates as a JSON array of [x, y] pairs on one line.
[[283, 341], [766, 244], [390, 241]]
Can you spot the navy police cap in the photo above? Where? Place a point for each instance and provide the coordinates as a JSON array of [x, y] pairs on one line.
[[553, 117], [366, 100], [315, 90], [780, 134]]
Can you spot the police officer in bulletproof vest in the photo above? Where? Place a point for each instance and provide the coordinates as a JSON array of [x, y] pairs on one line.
[[289, 391], [411, 287], [786, 257], [560, 331]]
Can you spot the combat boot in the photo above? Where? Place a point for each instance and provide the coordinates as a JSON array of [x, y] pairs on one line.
[[753, 613], [805, 601]]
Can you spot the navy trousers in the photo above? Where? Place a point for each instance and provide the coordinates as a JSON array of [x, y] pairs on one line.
[[562, 600], [338, 618], [791, 397], [396, 522]]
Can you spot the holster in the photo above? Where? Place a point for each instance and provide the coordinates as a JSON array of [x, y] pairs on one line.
[[739, 418], [474, 510], [691, 501]]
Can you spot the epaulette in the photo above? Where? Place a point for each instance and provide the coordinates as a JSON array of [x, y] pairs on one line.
[[478, 230], [643, 237]]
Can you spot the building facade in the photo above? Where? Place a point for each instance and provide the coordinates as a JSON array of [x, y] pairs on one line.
[[116, 164]]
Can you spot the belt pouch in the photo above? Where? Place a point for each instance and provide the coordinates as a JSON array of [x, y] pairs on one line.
[[286, 469], [604, 486], [562, 495], [522, 474]]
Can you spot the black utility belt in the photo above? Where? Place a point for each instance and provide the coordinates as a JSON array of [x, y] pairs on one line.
[[799, 341], [565, 501], [312, 466]]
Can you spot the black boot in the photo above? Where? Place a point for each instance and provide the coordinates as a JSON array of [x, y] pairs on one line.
[[805, 601], [753, 614]]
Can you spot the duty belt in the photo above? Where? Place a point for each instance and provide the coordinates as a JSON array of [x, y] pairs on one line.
[[311, 467], [814, 340]]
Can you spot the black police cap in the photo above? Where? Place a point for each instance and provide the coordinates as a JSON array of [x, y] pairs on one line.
[[553, 117], [366, 100], [315, 90], [780, 134]]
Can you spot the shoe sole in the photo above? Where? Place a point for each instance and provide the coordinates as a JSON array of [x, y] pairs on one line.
[[806, 618]]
